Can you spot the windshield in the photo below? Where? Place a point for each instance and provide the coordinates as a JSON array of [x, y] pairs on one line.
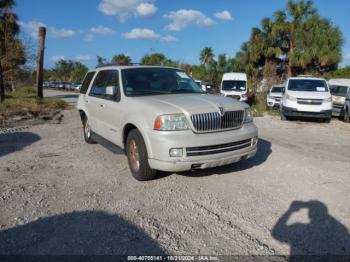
[[308, 85], [157, 81], [339, 90], [234, 85], [277, 89]]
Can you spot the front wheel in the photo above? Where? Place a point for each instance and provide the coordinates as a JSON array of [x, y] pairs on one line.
[[346, 115], [137, 157]]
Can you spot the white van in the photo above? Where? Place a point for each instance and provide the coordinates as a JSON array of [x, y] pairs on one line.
[[306, 96], [234, 85], [339, 89]]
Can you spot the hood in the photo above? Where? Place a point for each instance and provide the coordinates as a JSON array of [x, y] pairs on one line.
[[338, 99], [190, 103], [276, 94], [309, 95], [231, 92]]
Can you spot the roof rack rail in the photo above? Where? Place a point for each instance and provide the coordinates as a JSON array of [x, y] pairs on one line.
[[128, 64]]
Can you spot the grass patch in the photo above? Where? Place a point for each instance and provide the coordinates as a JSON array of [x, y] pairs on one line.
[[24, 101], [259, 107]]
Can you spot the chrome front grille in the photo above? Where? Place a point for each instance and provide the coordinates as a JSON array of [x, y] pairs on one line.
[[305, 101], [211, 122]]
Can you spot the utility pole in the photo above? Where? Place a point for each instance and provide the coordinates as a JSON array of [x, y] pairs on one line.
[[40, 62]]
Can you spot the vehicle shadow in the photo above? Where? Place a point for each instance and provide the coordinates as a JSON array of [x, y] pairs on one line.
[[264, 150], [324, 235], [13, 142], [78, 233]]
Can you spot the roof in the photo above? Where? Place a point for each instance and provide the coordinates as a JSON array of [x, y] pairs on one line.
[[339, 81], [130, 66], [306, 77]]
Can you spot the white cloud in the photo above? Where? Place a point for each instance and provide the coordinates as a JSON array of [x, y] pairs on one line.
[[102, 30], [32, 28], [186, 17], [84, 58], [126, 8], [57, 58], [146, 9], [224, 15], [89, 38], [147, 34], [61, 33]]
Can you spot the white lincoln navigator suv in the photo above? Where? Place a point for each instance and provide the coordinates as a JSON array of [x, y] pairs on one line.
[[163, 120], [306, 96]]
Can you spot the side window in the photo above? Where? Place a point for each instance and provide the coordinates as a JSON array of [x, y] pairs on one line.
[[106, 85], [86, 83]]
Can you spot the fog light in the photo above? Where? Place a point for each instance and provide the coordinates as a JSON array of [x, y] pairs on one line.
[[176, 152], [254, 141]]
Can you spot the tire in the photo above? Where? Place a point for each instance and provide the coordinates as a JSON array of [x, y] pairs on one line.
[[327, 120], [283, 117], [346, 116], [138, 158], [87, 131]]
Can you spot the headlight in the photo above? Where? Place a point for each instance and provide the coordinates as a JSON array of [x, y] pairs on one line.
[[171, 122], [248, 118], [244, 96], [327, 100], [291, 98]]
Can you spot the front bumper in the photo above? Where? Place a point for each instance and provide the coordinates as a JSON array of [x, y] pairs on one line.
[[162, 142], [338, 109], [293, 112]]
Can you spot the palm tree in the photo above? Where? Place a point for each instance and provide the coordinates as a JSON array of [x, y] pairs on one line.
[[121, 59], [206, 56]]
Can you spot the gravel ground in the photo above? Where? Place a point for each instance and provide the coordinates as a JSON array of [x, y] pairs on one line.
[[59, 195]]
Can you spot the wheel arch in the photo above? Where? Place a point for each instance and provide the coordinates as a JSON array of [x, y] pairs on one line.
[[131, 126]]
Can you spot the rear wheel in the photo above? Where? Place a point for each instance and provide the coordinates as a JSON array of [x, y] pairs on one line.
[[283, 117], [138, 157], [346, 115], [87, 131]]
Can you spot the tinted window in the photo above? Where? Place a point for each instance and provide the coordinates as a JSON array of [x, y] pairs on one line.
[[307, 85], [157, 81], [277, 89], [86, 83], [339, 90], [234, 85], [104, 79]]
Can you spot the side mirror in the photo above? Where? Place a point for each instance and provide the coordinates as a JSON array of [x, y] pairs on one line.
[[110, 90]]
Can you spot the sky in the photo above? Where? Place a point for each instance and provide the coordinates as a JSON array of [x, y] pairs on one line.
[[82, 29]]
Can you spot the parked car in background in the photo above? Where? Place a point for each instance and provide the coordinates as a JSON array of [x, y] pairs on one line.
[[67, 85], [346, 115], [339, 89], [76, 86], [234, 85], [201, 84], [46, 84], [164, 120], [306, 96], [274, 96]]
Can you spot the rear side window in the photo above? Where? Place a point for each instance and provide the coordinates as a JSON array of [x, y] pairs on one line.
[[86, 83]]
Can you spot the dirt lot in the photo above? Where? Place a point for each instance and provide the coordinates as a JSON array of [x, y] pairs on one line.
[[59, 195]]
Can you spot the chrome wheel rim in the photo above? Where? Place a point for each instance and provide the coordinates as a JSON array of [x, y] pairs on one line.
[[87, 129], [134, 155]]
